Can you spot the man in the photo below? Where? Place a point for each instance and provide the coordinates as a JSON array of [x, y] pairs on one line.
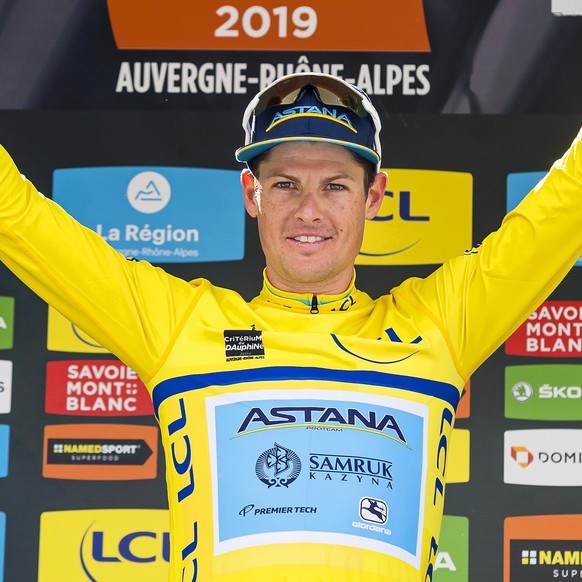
[[277, 415]]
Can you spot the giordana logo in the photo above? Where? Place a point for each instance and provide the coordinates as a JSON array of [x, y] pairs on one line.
[[321, 418], [95, 388], [278, 466], [149, 192], [542, 548], [373, 510], [100, 452], [6, 323], [426, 217], [104, 544], [553, 330], [543, 392], [5, 386], [543, 457], [170, 216]]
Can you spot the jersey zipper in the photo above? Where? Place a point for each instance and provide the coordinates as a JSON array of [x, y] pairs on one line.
[[314, 306]]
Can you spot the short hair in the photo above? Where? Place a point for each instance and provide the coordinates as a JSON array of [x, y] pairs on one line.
[[368, 167]]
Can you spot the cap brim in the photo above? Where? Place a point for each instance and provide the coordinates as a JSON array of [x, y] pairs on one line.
[[246, 153]]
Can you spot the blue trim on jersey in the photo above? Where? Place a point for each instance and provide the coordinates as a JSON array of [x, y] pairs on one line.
[[174, 386]]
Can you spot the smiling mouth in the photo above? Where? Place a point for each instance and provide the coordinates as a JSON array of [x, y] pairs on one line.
[[309, 239]]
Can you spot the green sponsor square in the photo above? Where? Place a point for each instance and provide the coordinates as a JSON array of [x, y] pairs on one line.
[[544, 392], [6, 323], [452, 564]]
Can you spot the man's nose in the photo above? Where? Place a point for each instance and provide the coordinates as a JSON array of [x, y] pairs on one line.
[[309, 207]]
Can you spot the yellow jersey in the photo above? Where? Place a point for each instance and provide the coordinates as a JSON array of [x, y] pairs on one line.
[[306, 438]]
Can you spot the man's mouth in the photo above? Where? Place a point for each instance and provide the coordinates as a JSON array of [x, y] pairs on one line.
[[308, 239]]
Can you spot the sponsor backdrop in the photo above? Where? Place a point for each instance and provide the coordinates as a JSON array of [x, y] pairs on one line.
[[128, 113]]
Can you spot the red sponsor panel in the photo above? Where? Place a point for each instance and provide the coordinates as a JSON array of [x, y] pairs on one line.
[[95, 388], [540, 527], [554, 330], [464, 407], [267, 25], [100, 452]]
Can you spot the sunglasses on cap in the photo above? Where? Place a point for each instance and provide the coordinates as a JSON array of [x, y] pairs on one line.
[[332, 92]]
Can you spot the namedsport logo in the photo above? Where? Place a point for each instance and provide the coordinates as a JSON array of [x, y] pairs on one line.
[[159, 214], [540, 548], [551, 457], [104, 544], [425, 218], [100, 452]]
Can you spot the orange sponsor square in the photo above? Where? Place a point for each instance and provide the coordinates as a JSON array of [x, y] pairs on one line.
[[464, 407], [101, 452], [538, 527], [268, 25]]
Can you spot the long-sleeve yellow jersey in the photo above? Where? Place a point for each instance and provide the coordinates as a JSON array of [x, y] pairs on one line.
[[302, 443]]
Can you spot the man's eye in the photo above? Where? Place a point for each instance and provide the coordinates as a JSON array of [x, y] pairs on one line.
[[284, 185], [334, 186]]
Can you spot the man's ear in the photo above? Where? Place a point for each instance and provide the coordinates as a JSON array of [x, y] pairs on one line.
[[248, 191], [376, 195]]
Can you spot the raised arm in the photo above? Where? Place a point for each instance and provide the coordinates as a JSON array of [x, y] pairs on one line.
[[480, 298], [130, 308]]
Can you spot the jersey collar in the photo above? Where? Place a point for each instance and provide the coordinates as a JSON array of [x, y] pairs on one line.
[[308, 302]]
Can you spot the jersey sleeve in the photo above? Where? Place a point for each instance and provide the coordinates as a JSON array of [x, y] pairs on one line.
[[131, 308], [480, 298]]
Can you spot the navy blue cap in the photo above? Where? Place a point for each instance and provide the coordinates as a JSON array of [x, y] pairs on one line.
[[311, 107]]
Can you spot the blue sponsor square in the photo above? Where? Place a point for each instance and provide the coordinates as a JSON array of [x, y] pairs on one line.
[[519, 184], [283, 476], [158, 214], [4, 443]]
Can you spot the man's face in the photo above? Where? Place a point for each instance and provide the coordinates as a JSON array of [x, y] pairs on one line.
[[311, 207]]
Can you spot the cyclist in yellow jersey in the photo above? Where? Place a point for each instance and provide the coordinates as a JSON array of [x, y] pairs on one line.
[[278, 415]]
